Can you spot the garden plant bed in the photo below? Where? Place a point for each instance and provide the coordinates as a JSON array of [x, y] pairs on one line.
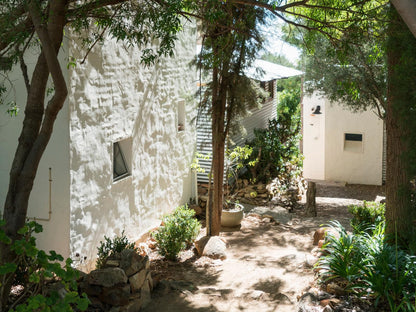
[[268, 264]]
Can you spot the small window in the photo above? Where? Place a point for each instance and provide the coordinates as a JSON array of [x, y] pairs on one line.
[[353, 137], [121, 159], [181, 116], [353, 142]]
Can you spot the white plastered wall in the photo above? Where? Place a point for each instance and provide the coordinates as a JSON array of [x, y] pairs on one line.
[[326, 157], [313, 138], [360, 166], [55, 235], [113, 98]]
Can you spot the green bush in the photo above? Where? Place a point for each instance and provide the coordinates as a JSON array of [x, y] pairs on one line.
[[111, 246], [37, 267], [367, 216], [368, 266], [276, 149], [344, 256], [178, 231]]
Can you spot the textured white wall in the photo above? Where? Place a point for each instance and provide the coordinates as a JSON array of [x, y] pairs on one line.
[[113, 97], [56, 156], [313, 138], [364, 166]]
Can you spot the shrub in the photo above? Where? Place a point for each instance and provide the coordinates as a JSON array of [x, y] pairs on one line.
[[367, 216], [369, 266], [276, 149], [343, 256], [389, 273], [179, 230], [111, 246], [37, 267]]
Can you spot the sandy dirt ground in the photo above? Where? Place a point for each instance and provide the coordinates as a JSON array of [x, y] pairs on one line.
[[266, 268]]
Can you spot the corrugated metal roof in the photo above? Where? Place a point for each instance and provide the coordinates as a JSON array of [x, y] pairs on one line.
[[266, 71]]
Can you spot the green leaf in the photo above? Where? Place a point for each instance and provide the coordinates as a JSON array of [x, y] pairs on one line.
[[8, 268]]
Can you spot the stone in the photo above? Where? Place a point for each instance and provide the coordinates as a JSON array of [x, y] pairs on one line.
[[257, 294], [327, 309], [332, 302], [81, 275], [96, 304], [91, 290], [310, 261], [197, 209], [380, 199], [213, 247], [151, 243], [131, 262], [261, 186], [319, 235], [136, 281], [107, 277], [116, 296], [306, 301], [145, 294], [112, 263], [335, 289], [150, 280]]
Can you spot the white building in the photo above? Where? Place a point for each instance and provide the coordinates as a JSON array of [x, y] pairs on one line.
[[340, 145], [85, 188]]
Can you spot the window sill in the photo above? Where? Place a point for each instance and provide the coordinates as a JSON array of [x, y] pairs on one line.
[[125, 177]]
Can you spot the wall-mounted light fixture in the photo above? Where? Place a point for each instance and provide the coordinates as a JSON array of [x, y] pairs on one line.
[[316, 110]]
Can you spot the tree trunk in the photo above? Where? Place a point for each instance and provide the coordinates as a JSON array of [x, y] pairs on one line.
[[310, 199], [399, 213], [218, 153], [37, 125]]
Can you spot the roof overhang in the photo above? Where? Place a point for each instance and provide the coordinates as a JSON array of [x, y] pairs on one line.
[[266, 71]]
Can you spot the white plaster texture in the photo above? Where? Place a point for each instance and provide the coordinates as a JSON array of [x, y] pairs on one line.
[[112, 97], [326, 157], [313, 138]]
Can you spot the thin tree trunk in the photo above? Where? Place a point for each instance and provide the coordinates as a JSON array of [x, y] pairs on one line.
[[310, 199], [218, 146]]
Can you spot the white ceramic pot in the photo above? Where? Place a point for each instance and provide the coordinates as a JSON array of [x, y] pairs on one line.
[[232, 217]]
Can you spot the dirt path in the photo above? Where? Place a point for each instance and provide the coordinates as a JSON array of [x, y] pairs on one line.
[[266, 267]]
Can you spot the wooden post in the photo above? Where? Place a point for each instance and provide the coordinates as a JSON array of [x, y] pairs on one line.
[[310, 199]]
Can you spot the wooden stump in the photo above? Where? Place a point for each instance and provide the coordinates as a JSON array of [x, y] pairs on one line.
[[310, 200]]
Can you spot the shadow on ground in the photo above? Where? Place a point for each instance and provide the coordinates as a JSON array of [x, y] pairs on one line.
[[265, 267]]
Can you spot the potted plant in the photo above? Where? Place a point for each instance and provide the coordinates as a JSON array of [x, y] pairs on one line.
[[233, 212]]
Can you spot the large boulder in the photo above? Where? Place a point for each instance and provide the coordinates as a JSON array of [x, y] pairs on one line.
[[211, 246], [107, 277]]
